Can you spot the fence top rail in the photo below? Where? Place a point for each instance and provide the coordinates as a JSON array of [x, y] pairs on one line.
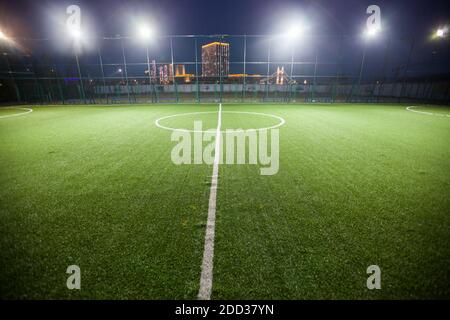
[[224, 36]]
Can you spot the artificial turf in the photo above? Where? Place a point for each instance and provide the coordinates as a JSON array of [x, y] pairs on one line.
[[95, 186]]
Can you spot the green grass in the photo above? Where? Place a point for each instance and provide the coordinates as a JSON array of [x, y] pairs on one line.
[[94, 186]]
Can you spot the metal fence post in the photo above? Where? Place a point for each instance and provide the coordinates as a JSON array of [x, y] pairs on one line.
[[245, 75], [125, 69], [197, 88], [268, 70], [82, 93], [103, 75], [173, 71]]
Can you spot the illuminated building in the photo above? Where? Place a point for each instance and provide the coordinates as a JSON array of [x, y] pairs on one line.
[[180, 70], [215, 59]]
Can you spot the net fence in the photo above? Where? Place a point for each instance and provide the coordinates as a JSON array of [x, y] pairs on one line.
[[225, 68]]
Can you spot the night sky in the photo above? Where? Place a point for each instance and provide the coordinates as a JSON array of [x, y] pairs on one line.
[[401, 19], [28, 17]]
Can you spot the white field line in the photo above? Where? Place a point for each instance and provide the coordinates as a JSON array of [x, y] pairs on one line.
[[28, 110], [280, 119], [206, 277], [427, 113]]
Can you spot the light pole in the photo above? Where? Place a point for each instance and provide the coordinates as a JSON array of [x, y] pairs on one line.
[[370, 33], [75, 33], [172, 67], [361, 66], [245, 75], [268, 70], [405, 75], [125, 69], [292, 35], [440, 34], [103, 74], [83, 95], [144, 32], [197, 85], [149, 72], [4, 40]]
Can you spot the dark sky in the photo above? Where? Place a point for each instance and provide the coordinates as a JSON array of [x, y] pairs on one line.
[[28, 17], [401, 20]]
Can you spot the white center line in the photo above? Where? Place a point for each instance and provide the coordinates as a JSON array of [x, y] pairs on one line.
[[206, 277]]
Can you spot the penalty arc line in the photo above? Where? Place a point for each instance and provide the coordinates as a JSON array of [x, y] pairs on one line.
[[206, 277], [410, 108], [28, 110]]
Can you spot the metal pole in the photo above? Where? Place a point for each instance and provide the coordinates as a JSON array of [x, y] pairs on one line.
[[196, 72], [361, 68], [268, 71], [338, 70], [173, 70], [292, 61], [383, 72], [83, 95], [13, 81], [221, 51], [314, 80], [292, 72], [407, 68], [149, 72], [245, 76], [125, 69], [16, 89], [61, 94], [103, 74], [36, 83]]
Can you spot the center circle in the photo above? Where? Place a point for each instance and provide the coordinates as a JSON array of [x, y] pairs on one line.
[[281, 121]]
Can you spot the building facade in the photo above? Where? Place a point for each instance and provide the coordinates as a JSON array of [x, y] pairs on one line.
[[215, 59]]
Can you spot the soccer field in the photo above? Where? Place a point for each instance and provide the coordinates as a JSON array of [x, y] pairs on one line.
[[95, 186]]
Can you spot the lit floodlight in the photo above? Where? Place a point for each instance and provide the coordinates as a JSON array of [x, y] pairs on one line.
[[119, 70], [440, 32], [144, 32], [75, 33], [371, 32], [3, 36], [293, 32]]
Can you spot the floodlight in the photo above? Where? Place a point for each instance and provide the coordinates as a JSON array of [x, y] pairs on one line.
[[371, 32], [293, 32], [75, 33], [3, 36], [144, 32], [440, 33], [119, 70]]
